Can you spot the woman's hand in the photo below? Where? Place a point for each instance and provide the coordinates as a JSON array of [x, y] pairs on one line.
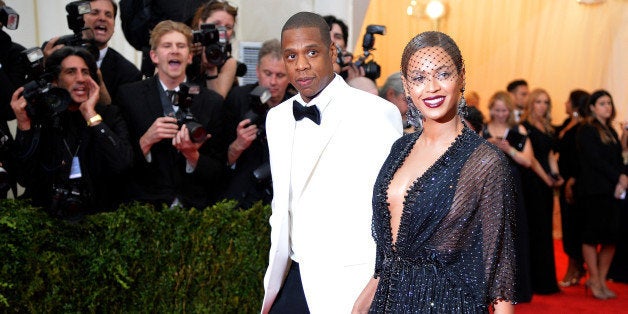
[[363, 303]]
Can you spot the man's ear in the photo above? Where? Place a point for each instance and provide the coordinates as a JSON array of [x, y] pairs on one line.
[[153, 56], [333, 52]]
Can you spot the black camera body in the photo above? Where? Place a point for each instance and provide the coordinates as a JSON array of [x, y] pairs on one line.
[[81, 36], [257, 113], [184, 99], [214, 39], [372, 70], [9, 18], [67, 199], [44, 100]]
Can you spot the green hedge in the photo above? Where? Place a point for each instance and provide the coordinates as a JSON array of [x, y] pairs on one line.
[[136, 259]]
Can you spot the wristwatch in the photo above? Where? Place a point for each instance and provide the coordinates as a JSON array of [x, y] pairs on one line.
[[95, 119]]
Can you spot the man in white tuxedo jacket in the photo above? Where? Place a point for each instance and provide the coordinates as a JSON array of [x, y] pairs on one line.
[[327, 145]]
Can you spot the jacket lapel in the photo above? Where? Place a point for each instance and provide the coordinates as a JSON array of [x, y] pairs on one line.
[[330, 121]]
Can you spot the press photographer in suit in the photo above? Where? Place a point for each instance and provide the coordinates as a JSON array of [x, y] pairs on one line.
[[116, 69], [174, 165], [246, 108], [323, 170], [70, 150]]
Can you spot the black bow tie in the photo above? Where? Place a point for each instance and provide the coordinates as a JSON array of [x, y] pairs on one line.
[[310, 112]]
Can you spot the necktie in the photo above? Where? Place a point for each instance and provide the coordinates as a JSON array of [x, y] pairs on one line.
[[310, 112], [170, 93]]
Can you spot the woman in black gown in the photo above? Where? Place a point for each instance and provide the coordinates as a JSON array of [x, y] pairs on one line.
[[502, 131], [538, 191], [571, 218], [601, 183], [443, 204]]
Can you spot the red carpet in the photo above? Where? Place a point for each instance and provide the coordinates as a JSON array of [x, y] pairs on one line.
[[572, 299]]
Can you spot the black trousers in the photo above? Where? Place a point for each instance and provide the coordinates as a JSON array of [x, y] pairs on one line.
[[291, 298]]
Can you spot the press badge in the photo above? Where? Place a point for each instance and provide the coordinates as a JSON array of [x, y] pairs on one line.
[[75, 170]]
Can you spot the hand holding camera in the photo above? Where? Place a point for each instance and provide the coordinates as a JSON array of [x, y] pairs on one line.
[[362, 67], [18, 104], [162, 128]]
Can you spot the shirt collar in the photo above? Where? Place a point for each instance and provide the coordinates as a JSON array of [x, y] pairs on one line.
[[101, 55]]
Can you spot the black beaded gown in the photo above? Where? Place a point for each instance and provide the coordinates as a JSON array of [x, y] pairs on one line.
[[455, 245], [539, 202]]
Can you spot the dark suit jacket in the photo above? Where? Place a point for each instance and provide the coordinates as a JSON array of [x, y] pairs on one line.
[[243, 186], [44, 155], [165, 177], [600, 164], [116, 71]]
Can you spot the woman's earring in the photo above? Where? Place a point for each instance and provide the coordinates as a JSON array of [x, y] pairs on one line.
[[462, 105], [413, 115]]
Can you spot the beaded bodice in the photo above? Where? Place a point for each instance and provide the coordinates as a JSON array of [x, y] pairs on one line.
[[455, 229]]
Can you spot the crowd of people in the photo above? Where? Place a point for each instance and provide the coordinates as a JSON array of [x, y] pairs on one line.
[[430, 207]]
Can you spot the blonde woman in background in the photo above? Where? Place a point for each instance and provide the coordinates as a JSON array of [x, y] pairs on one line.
[[538, 190], [501, 128]]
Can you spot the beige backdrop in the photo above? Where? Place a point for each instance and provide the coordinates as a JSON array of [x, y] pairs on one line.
[[558, 45]]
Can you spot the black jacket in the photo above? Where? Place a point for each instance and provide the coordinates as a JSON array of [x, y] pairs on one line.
[[116, 71], [45, 156], [165, 177], [600, 164], [247, 182]]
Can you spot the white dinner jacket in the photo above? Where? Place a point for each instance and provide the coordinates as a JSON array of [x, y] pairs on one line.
[[337, 251]]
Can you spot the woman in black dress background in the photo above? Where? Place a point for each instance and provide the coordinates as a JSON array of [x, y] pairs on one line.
[[568, 166], [518, 148], [601, 183], [538, 190]]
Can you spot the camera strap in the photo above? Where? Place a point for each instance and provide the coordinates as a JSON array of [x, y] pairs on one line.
[[75, 169], [166, 101]]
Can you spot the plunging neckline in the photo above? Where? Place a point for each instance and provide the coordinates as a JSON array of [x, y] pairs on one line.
[[437, 164]]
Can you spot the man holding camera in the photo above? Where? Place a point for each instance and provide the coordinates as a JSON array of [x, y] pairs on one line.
[[93, 24], [169, 166], [70, 150], [246, 108], [116, 69]]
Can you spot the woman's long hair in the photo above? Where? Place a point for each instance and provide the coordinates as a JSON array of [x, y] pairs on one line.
[[546, 120], [507, 99], [603, 129]]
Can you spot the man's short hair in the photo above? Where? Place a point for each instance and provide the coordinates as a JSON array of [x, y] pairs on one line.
[[53, 63], [115, 7], [168, 26], [331, 20], [392, 82], [270, 47], [2, 4], [305, 20], [512, 86]]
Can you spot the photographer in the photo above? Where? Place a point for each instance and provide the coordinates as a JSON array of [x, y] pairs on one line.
[[12, 75], [249, 179], [70, 150], [92, 29], [172, 166], [219, 73], [116, 69], [339, 33]]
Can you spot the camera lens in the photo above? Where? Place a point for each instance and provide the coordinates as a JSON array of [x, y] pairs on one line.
[[197, 131], [57, 99]]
